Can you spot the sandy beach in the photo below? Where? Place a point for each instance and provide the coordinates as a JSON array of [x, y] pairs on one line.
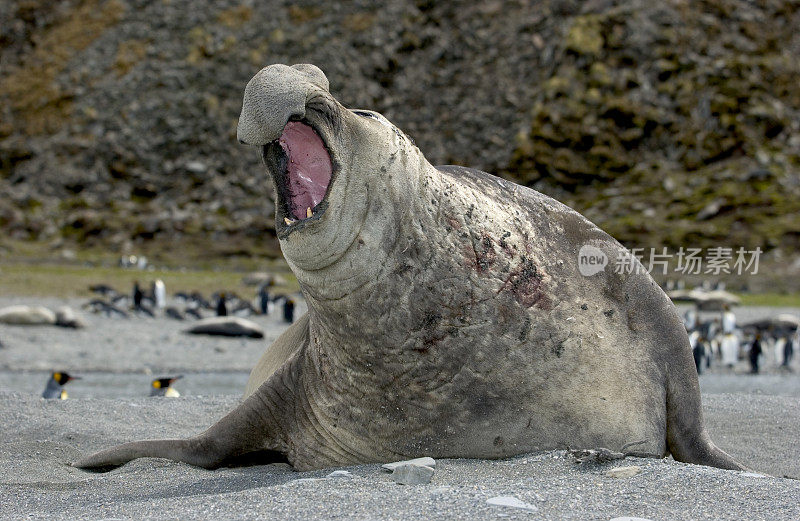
[[754, 418]]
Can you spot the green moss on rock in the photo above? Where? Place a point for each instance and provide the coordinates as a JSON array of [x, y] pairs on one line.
[[710, 101]]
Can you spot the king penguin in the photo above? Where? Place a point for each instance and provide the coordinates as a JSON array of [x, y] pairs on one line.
[[161, 387], [56, 383]]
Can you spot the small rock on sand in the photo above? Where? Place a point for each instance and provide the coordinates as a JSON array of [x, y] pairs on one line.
[[511, 502], [411, 474], [426, 461], [600, 455], [752, 475], [623, 472]]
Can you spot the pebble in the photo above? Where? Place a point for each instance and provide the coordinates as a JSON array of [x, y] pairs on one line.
[[424, 462], [627, 518], [339, 474], [624, 472], [511, 502], [600, 455], [411, 474], [196, 167]]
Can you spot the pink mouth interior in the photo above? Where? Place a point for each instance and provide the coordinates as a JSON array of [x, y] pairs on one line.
[[309, 167]]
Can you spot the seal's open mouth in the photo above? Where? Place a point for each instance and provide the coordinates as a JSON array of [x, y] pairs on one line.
[[307, 170]]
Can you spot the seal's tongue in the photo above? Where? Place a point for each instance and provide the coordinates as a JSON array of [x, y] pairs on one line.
[[309, 168]]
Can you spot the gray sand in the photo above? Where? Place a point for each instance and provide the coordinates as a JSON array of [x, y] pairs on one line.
[[758, 424], [38, 438]]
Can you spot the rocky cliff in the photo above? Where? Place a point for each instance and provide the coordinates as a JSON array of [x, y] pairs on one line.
[[667, 123]]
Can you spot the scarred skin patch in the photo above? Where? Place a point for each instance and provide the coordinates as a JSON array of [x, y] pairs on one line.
[[523, 280], [480, 254], [453, 222], [525, 283]]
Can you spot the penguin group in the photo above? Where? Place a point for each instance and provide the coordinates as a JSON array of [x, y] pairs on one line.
[[54, 388], [718, 338], [153, 301], [113, 303]]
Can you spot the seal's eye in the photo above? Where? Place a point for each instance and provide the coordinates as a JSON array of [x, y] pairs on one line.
[[372, 115], [382, 120]]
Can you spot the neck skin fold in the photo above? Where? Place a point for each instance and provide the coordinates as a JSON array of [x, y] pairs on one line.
[[352, 299]]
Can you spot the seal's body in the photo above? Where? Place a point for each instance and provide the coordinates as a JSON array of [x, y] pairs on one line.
[[447, 313]]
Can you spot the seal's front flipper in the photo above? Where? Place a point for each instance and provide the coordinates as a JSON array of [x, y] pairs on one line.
[[186, 451], [252, 431], [177, 450]]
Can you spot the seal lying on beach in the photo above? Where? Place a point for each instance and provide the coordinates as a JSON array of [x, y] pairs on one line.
[[226, 326], [448, 316], [27, 316]]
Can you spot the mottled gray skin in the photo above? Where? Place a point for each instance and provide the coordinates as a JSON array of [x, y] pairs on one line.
[[447, 317]]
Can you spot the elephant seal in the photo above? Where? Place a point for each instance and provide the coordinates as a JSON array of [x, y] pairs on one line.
[[447, 314], [66, 317], [226, 326], [21, 315]]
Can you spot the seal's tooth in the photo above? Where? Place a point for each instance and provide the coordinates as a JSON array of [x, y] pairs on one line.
[[308, 213], [288, 221]]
